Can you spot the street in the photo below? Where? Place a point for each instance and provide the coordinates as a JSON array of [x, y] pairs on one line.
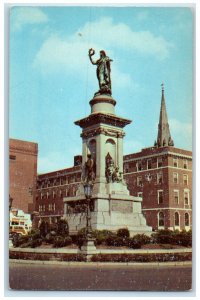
[[99, 277]]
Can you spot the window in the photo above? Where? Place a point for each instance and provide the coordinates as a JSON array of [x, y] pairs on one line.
[[176, 197], [47, 195], [139, 181], [149, 164], [41, 195], [185, 164], [159, 162], [159, 178], [140, 194], [12, 157], [126, 168], [187, 221], [176, 217], [161, 219], [54, 194], [54, 206], [185, 179], [186, 198], [175, 177], [139, 166], [61, 193], [160, 196], [43, 207], [175, 162]]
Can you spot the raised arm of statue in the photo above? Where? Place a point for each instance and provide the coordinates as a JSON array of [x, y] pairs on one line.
[[91, 53]]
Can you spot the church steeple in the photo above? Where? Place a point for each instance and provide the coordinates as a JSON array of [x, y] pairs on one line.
[[164, 136]]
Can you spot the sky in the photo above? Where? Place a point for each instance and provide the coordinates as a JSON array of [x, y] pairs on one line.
[[52, 80]]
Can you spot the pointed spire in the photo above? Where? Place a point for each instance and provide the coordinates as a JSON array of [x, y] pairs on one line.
[[164, 136]]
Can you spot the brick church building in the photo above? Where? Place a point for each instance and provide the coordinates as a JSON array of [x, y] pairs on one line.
[[161, 175]]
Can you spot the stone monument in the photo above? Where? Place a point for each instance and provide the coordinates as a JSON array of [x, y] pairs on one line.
[[111, 205]]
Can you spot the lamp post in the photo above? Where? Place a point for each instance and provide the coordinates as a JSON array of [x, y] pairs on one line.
[[88, 195], [88, 247]]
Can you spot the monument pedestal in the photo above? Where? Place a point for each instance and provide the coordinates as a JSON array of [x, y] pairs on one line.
[[110, 211], [111, 205]]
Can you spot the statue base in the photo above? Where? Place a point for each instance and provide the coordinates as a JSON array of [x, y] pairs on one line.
[[111, 209]]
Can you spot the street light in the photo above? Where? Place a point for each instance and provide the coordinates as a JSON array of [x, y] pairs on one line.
[[88, 187]]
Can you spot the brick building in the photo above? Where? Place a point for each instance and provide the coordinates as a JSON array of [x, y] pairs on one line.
[[52, 187], [22, 173], [162, 175], [163, 178]]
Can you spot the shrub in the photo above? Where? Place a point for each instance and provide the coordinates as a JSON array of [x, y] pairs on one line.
[[62, 227], [163, 236], [176, 237], [60, 241], [35, 243], [44, 228], [101, 236], [184, 238], [123, 232], [115, 241], [154, 257], [138, 240], [49, 238], [19, 240]]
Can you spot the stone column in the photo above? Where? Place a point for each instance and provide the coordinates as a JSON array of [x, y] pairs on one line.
[[120, 153], [84, 151], [100, 159]]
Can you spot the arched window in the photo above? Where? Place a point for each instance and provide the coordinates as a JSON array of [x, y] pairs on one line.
[[161, 219], [176, 216], [92, 148], [110, 147], [187, 222]]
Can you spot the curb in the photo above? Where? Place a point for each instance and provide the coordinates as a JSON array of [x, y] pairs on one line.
[[97, 264]]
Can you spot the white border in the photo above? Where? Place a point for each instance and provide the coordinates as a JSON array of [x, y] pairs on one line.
[[4, 149]]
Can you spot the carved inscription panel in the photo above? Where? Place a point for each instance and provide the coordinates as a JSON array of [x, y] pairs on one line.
[[122, 206]]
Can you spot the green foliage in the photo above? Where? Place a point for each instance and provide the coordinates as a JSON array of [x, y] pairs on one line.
[[163, 236], [138, 240], [49, 238], [116, 241], [176, 237], [60, 241], [62, 227], [184, 238], [44, 229], [34, 231], [101, 236], [19, 240], [146, 257], [123, 232], [35, 243]]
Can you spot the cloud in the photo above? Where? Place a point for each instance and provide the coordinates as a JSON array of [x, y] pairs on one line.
[[22, 16], [71, 53], [122, 36]]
